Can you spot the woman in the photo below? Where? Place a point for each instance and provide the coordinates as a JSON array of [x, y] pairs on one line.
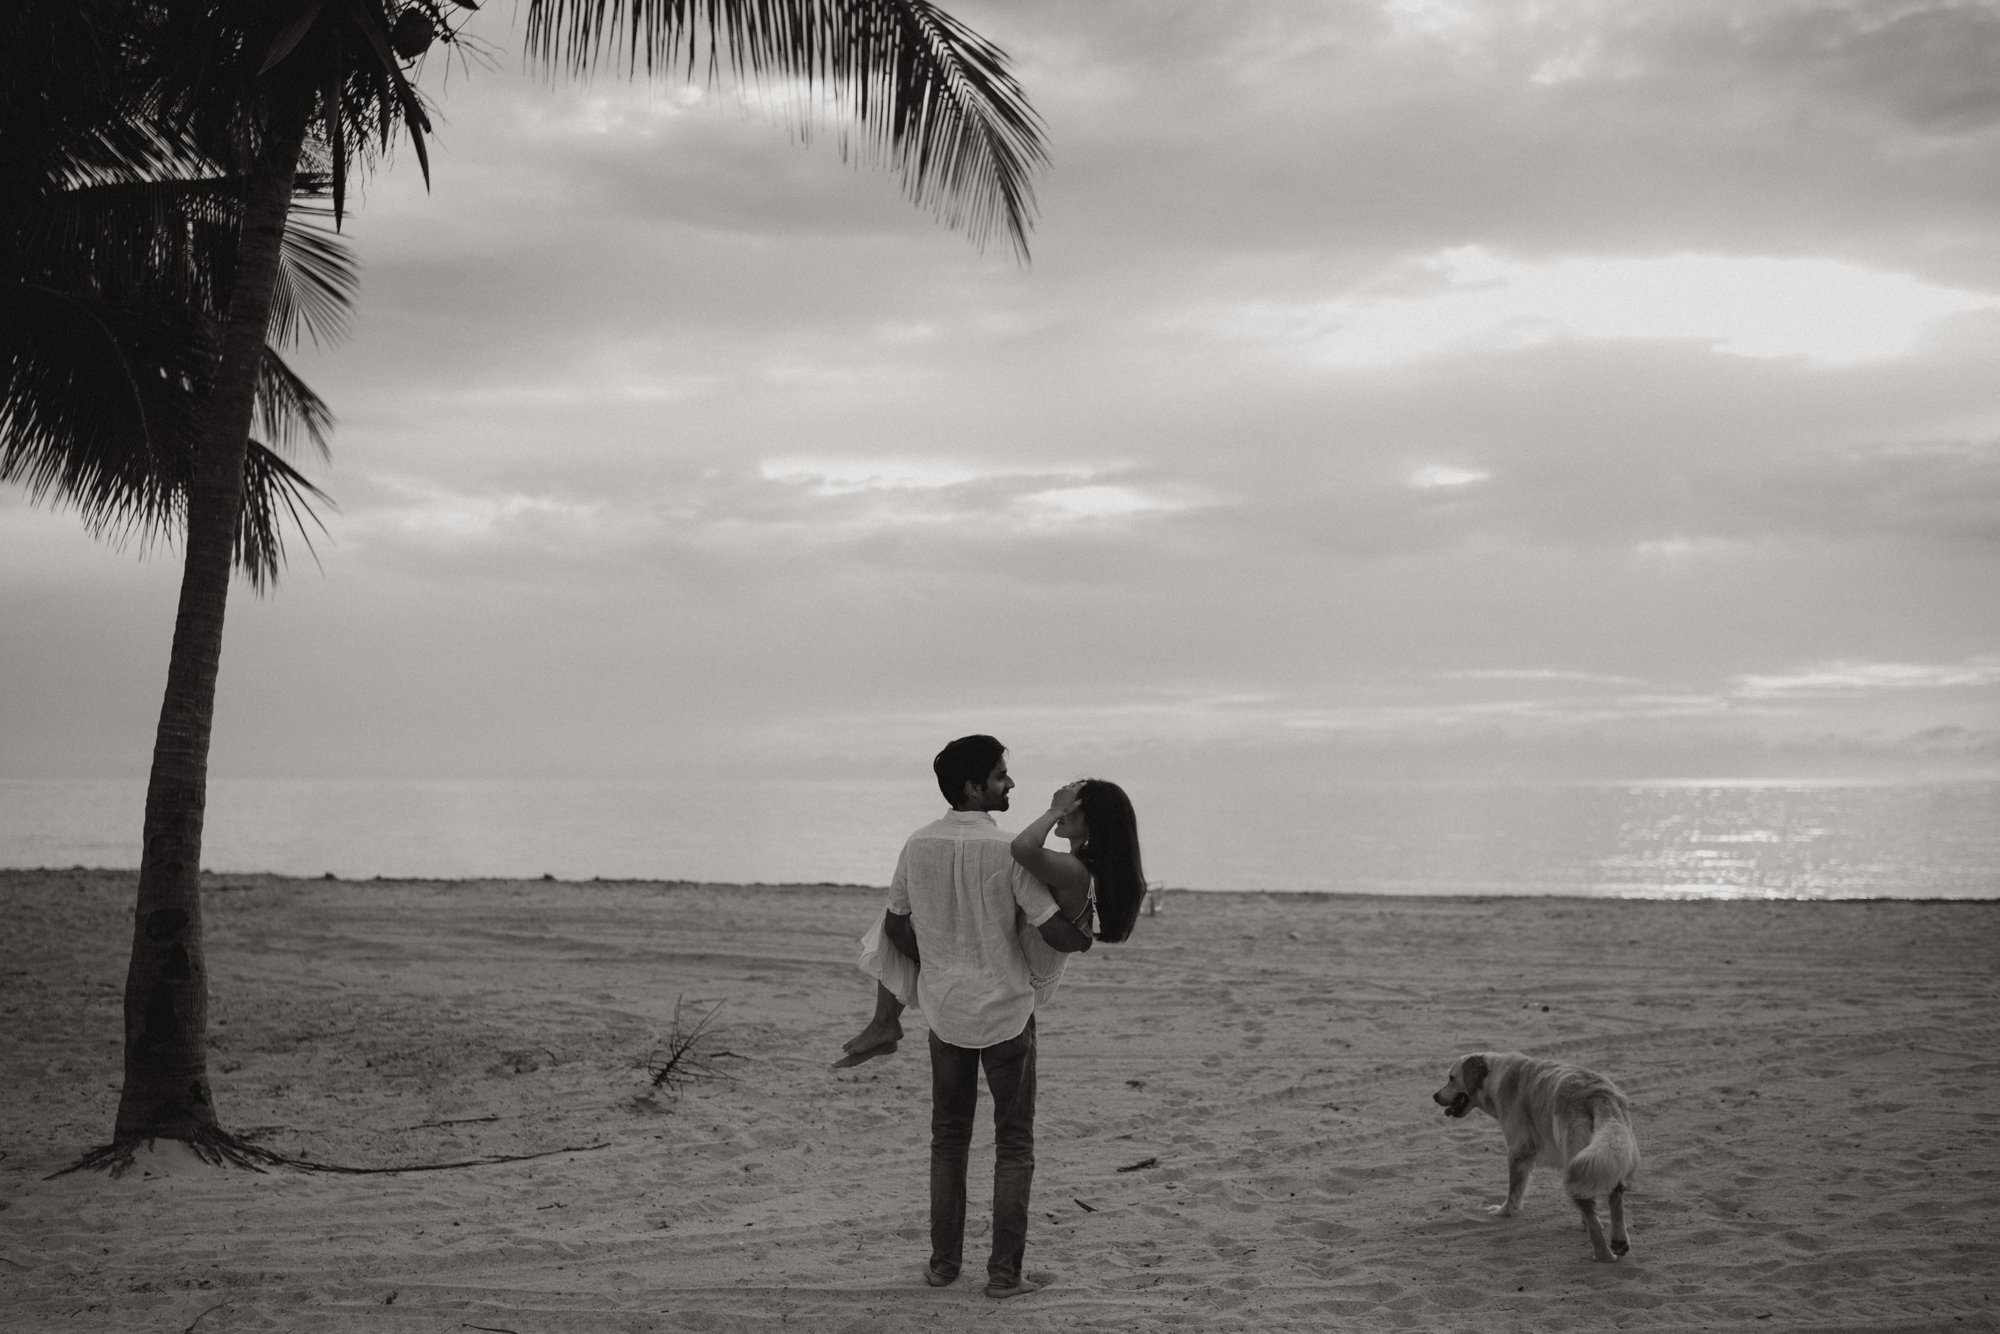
[[1101, 871], [1100, 879]]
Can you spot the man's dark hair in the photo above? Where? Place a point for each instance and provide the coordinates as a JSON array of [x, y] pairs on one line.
[[970, 759]]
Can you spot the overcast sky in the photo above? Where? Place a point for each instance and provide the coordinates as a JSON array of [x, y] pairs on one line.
[[1575, 387]]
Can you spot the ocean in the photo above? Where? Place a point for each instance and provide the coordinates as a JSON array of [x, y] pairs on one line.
[[1797, 840]]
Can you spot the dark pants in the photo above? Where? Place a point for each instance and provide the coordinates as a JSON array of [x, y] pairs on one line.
[[1010, 1078]]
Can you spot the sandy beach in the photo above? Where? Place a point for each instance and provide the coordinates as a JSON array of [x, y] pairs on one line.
[[1235, 1128]]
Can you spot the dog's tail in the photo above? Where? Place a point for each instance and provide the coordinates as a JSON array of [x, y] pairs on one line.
[[1610, 1159]]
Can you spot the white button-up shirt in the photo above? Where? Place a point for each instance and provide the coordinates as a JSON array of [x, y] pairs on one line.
[[964, 894]]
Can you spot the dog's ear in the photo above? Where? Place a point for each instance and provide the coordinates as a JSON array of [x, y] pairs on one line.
[[1472, 1073]]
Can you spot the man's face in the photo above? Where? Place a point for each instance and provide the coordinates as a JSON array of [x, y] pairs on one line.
[[992, 794]]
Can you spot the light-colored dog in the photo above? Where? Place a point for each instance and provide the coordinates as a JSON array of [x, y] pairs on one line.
[[1553, 1115]]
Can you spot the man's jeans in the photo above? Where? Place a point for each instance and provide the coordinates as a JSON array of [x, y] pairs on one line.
[[1010, 1078]]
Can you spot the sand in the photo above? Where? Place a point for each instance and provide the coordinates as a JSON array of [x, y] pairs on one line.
[[1235, 1127]]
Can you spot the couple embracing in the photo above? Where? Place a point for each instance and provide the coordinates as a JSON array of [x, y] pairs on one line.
[[978, 930]]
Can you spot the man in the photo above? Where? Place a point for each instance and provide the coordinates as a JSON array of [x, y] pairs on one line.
[[954, 906]]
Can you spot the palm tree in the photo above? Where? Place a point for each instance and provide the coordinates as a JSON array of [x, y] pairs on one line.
[[117, 259], [263, 86]]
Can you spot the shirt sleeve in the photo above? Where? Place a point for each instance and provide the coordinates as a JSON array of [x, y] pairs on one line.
[[899, 885], [1032, 896]]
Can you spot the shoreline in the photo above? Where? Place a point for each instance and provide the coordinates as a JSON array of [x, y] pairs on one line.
[[1813, 1094], [226, 881]]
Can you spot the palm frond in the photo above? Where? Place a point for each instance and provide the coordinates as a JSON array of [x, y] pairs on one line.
[[157, 237], [66, 117], [934, 99], [290, 35], [273, 492], [103, 365], [227, 72], [85, 423], [378, 88], [84, 419], [317, 281], [287, 408]]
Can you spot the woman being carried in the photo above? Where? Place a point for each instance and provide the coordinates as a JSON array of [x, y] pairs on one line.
[[1099, 880]]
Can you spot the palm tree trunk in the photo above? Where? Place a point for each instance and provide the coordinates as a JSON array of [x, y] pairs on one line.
[[166, 1092]]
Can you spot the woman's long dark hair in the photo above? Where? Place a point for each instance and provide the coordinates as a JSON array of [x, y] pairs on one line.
[[1110, 849]]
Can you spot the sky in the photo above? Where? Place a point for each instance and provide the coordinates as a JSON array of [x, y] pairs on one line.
[[1578, 388]]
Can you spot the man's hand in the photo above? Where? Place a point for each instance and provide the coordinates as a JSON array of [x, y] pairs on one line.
[[1064, 936]]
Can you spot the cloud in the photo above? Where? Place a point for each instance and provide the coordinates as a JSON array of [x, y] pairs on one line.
[[1384, 374], [1466, 300], [1434, 475], [1849, 678], [1083, 504], [1551, 674], [413, 515], [1926, 63], [1781, 129], [839, 477], [980, 501]]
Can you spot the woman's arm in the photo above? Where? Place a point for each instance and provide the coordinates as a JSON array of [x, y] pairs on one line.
[[1067, 878]]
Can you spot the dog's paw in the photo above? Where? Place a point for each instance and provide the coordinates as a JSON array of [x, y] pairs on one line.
[[1620, 1246], [1500, 1210]]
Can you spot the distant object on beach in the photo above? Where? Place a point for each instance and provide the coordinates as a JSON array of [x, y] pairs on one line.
[[1156, 893]]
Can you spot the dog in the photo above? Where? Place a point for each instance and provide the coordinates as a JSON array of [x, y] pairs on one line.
[[1553, 1115]]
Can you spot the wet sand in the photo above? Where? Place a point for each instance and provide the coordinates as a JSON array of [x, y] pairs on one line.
[[1235, 1127]]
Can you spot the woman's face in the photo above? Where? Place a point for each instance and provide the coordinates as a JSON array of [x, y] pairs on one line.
[[1071, 824]]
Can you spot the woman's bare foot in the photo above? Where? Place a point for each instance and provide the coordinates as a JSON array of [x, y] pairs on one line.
[[864, 1054], [878, 1039], [884, 1031], [881, 1031]]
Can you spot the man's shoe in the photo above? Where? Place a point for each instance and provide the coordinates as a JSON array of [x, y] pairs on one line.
[[937, 1277], [1019, 1287]]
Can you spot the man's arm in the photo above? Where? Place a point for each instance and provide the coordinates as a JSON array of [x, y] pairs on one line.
[[898, 931], [1064, 936], [1038, 906], [896, 928]]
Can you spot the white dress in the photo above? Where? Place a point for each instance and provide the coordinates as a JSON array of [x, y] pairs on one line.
[[895, 970]]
